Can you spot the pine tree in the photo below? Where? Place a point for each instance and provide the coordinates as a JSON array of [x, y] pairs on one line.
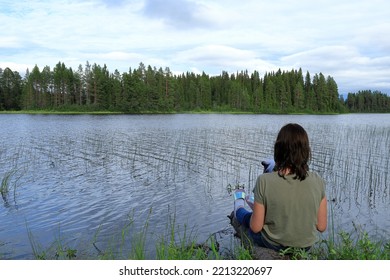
[[333, 95], [10, 89], [299, 99]]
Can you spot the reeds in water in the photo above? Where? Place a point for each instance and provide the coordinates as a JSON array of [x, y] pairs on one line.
[[5, 186]]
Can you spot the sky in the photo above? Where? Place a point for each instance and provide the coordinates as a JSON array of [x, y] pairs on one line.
[[347, 40]]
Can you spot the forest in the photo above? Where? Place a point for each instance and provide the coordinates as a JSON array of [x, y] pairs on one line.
[[147, 89]]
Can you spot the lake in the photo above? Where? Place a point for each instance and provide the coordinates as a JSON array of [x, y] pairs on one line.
[[85, 181]]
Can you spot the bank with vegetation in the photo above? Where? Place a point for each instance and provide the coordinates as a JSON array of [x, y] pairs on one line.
[[341, 246], [146, 89]]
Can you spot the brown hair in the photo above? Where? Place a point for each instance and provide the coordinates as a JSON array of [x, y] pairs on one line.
[[292, 150]]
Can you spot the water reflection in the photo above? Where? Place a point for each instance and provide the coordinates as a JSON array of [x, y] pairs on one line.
[[89, 177]]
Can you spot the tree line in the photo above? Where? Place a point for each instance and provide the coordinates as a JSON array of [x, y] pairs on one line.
[[148, 89]]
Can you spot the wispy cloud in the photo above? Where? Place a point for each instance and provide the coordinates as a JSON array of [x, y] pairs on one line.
[[221, 57], [182, 14]]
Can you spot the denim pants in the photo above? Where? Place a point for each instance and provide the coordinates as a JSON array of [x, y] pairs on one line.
[[244, 217]]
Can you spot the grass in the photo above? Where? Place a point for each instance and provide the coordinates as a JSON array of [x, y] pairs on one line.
[[179, 244], [346, 248], [359, 248], [38, 252], [173, 246]]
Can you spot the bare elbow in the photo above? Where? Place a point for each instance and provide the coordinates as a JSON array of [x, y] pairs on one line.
[[255, 228], [321, 228]]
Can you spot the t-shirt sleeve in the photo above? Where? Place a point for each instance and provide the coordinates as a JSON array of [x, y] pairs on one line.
[[259, 190], [321, 183]]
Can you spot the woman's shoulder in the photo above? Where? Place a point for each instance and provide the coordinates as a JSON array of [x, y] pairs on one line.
[[267, 178], [270, 175], [315, 176]]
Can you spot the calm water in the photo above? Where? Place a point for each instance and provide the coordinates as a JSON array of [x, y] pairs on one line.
[[79, 181]]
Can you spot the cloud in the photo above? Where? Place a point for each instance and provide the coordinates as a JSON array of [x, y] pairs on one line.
[[373, 39], [10, 42], [181, 14], [19, 67], [113, 3], [119, 56], [221, 57], [351, 69]]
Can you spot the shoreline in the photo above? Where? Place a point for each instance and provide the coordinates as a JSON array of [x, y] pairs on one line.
[[48, 112]]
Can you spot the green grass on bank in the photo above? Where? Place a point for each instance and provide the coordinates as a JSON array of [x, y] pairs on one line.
[[353, 248], [171, 245]]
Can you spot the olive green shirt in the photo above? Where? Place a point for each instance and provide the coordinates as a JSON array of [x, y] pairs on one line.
[[291, 208]]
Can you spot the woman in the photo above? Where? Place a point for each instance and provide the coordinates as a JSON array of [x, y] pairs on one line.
[[289, 203]]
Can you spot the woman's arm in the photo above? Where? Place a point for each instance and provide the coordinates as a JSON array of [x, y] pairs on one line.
[[257, 218], [322, 216]]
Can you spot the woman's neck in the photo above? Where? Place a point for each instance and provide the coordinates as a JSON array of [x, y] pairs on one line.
[[285, 171]]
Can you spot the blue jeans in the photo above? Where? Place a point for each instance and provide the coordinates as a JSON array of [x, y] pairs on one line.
[[244, 217]]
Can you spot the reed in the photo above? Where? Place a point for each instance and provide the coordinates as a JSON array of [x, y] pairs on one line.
[[38, 252], [5, 186], [175, 246], [182, 244], [138, 241]]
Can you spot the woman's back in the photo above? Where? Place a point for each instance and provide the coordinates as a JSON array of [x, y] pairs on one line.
[[291, 207]]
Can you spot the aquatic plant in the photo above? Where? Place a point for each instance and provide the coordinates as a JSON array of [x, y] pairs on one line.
[[38, 252], [5, 186]]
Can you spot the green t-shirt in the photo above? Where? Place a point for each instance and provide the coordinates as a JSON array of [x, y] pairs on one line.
[[291, 207]]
